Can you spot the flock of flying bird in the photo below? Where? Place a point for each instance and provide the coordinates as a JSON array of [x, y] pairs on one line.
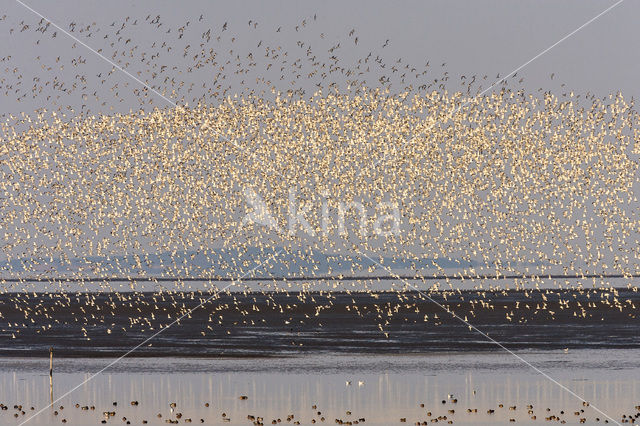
[[507, 182]]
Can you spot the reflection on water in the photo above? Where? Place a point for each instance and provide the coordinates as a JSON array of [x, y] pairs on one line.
[[383, 388]]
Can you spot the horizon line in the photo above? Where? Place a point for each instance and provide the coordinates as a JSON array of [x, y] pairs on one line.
[[459, 277]]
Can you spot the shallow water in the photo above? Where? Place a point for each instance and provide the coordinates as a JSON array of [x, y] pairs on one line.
[[393, 387]]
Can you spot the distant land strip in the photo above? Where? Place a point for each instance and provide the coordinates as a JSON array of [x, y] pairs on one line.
[[458, 277]]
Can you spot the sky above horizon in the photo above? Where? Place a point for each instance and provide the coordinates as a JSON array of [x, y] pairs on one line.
[[420, 47], [461, 38]]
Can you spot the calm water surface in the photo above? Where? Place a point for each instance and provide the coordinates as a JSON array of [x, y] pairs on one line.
[[383, 390]]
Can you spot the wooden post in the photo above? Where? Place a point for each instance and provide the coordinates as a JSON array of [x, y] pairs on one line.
[[51, 373]]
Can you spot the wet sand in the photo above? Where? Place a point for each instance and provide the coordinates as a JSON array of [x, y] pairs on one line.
[[271, 324], [384, 389]]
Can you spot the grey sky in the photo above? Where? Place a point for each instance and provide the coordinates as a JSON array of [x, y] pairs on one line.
[[454, 37], [471, 37]]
